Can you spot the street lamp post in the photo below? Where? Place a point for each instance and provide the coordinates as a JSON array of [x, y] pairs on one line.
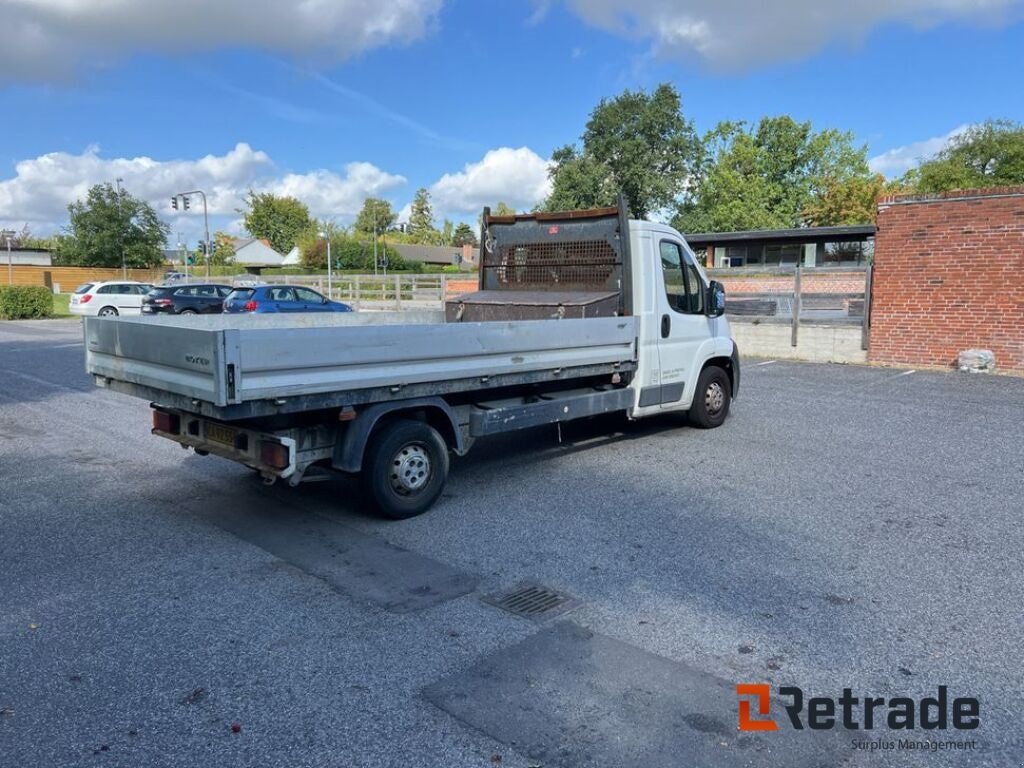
[[330, 285], [206, 224], [184, 256], [8, 235], [120, 230]]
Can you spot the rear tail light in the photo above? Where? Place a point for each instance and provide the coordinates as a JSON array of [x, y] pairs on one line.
[[85, 299], [274, 454], [166, 422], [250, 306], [161, 302]]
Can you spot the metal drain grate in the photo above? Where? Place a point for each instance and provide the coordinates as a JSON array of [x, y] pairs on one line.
[[533, 601]]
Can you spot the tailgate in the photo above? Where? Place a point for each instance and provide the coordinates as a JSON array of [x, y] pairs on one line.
[[193, 362]]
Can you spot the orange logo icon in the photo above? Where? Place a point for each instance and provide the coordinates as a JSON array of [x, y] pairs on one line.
[[762, 692]]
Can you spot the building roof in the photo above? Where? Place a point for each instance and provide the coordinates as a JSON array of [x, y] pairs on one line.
[[782, 236]]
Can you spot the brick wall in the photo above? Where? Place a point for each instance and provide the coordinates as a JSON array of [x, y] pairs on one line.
[[949, 275], [810, 282]]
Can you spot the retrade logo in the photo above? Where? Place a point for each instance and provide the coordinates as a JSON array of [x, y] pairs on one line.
[[855, 712], [762, 695]]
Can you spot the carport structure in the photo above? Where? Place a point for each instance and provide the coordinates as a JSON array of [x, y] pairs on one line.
[[807, 246]]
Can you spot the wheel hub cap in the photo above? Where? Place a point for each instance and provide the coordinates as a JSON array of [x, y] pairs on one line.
[[714, 398], [410, 469]]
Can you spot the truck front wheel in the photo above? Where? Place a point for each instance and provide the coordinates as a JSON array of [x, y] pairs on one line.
[[405, 468], [711, 399]]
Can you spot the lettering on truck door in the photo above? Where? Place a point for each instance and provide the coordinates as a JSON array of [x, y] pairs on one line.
[[683, 324]]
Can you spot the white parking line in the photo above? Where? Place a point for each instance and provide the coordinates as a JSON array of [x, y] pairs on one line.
[[766, 362]]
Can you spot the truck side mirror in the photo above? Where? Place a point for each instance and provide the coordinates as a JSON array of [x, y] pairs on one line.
[[715, 305]]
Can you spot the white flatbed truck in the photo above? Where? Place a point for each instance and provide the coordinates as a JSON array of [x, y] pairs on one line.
[[578, 314]]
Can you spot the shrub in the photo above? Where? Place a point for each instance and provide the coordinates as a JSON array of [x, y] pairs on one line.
[[18, 302]]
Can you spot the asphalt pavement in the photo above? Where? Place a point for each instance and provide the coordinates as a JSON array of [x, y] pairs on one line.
[[848, 527]]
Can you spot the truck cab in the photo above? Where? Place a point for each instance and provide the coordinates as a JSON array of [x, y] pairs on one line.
[[683, 331]]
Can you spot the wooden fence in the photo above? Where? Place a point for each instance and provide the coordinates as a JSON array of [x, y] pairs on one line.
[[69, 278]]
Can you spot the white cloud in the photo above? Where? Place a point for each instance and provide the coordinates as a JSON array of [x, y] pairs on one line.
[[738, 34], [899, 160], [518, 177], [50, 39], [42, 187]]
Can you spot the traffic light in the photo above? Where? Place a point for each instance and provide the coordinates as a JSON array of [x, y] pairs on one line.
[[191, 259], [184, 201], [174, 203]]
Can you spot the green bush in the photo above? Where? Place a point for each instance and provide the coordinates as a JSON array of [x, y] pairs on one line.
[[18, 302]]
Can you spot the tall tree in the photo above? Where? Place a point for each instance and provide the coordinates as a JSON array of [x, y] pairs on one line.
[[376, 215], [278, 220], [637, 143], [421, 219], [108, 224], [447, 232], [464, 235], [853, 201], [578, 181], [986, 155], [503, 209], [766, 177]]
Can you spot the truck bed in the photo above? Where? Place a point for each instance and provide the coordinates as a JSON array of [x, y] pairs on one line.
[[240, 366]]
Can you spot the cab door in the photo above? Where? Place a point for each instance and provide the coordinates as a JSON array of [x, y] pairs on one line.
[[683, 326]]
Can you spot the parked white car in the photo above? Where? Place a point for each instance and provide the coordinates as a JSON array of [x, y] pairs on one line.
[[109, 299]]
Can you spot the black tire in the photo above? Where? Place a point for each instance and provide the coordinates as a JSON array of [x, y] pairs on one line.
[[188, 312], [404, 468], [108, 312], [711, 399]]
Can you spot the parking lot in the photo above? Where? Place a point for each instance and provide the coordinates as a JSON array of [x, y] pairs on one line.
[[848, 527]]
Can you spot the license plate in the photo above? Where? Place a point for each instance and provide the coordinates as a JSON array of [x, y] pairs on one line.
[[221, 434]]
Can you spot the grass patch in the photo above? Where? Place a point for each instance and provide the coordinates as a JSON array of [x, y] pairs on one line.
[[60, 305]]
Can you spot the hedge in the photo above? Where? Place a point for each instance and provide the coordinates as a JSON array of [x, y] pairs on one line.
[[18, 302]]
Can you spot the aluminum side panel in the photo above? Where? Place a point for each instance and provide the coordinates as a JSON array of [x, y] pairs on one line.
[[279, 363], [188, 361]]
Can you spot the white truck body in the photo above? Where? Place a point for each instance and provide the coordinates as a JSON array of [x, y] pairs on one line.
[[318, 388]]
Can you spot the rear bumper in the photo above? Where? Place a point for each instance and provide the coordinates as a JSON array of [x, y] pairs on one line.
[[245, 447]]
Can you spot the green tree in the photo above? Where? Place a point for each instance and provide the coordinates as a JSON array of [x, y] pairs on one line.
[[375, 215], [464, 235], [853, 201], [348, 252], [503, 209], [578, 181], [637, 143], [421, 220], [986, 155], [223, 252], [447, 232], [766, 177], [107, 224], [278, 220]]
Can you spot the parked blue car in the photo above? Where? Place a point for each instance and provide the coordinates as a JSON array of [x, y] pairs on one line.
[[280, 298]]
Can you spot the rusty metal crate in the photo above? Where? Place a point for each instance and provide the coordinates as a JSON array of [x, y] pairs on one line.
[[484, 306]]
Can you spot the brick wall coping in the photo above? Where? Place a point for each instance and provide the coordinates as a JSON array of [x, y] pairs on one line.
[[952, 195]]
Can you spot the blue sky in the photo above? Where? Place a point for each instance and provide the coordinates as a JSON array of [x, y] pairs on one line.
[[465, 98]]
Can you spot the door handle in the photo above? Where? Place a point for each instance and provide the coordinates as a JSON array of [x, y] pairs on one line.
[[666, 326]]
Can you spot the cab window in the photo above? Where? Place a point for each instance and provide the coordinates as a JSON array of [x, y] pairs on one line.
[[683, 286]]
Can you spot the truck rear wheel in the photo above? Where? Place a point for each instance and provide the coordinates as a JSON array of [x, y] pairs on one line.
[[405, 468], [711, 399]]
